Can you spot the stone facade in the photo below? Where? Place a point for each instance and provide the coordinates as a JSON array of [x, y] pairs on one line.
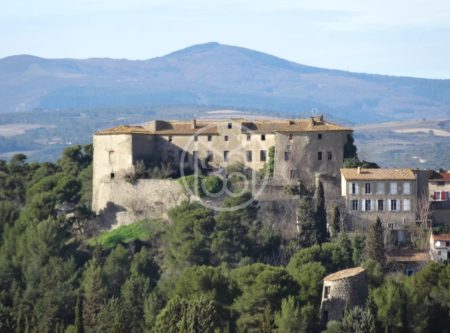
[[304, 149], [390, 194], [439, 194], [440, 247], [343, 290]]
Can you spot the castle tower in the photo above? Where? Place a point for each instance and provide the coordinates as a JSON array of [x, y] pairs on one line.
[[343, 290]]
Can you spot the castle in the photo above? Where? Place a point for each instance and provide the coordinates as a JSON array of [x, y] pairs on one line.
[[304, 148]]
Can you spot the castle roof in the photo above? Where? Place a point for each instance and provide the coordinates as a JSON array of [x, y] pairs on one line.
[[210, 127], [377, 174], [346, 273]]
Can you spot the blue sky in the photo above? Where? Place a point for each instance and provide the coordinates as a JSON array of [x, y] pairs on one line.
[[396, 37]]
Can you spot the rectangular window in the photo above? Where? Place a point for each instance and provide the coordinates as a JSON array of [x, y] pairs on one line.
[[248, 155], [290, 137], [380, 188], [354, 204], [292, 173], [354, 188], [225, 155], [368, 205], [393, 205], [230, 125], [209, 156], [263, 137], [319, 136], [319, 156], [329, 155], [262, 155], [209, 137], [437, 195], [380, 205], [249, 137], [226, 138], [326, 291], [393, 188], [367, 188], [287, 155], [195, 138], [406, 188], [406, 205]]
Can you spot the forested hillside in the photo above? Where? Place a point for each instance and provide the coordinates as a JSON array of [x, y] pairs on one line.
[[201, 271]]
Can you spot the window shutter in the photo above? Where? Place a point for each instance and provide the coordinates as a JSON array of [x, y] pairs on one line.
[[363, 205], [349, 188], [389, 204], [435, 195], [372, 204], [443, 196], [357, 188]]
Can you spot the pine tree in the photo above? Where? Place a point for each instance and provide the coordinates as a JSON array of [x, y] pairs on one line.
[[134, 292], [306, 221], [375, 243], [320, 214], [94, 295], [79, 315], [335, 223]]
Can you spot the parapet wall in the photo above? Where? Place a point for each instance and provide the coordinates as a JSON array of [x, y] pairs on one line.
[[119, 202]]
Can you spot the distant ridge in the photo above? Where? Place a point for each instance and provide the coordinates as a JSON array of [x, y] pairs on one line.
[[217, 76]]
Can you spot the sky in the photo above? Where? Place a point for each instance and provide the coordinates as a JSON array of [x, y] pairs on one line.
[[395, 37]]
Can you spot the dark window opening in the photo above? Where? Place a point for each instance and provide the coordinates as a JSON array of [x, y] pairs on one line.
[[225, 155], [248, 155], [319, 156], [290, 137], [326, 292], [380, 205], [226, 138], [209, 156], [112, 175], [209, 137], [229, 125], [330, 156], [292, 174], [367, 187], [319, 136], [249, 137], [195, 138], [262, 155], [287, 155], [263, 137], [170, 138]]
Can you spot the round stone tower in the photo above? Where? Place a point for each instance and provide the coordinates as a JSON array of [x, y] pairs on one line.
[[343, 290]]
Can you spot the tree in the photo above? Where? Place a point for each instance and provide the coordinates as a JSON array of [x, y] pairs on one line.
[[260, 286], [116, 270], [390, 301], [188, 238], [320, 214], [306, 219], [358, 320], [134, 291], [309, 277], [293, 319], [357, 249], [375, 243], [79, 327], [95, 295], [350, 150], [112, 318], [335, 221]]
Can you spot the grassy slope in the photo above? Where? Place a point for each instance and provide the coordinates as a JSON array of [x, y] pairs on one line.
[[142, 230]]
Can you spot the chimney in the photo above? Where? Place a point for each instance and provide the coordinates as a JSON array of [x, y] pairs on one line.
[[194, 123], [359, 170]]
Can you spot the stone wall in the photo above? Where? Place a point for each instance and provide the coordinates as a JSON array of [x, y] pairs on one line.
[[120, 203], [345, 293]]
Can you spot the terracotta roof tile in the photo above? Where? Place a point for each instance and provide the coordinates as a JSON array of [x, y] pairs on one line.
[[409, 256], [344, 274], [441, 176], [377, 174], [209, 127], [442, 237]]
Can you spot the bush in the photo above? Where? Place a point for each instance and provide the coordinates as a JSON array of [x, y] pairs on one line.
[[211, 184]]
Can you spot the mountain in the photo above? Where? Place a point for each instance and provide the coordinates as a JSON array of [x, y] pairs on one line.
[[216, 76]]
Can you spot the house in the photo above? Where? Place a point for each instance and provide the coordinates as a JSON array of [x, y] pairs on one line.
[[439, 192], [440, 247], [408, 260], [390, 194], [304, 148]]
